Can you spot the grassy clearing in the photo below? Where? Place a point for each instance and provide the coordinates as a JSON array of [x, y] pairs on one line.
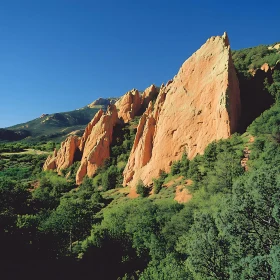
[[27, 152]]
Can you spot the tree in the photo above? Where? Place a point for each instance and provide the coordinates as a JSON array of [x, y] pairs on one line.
[[141, 189], [185, 163], [175, 168], [207, 250], [109, 178]]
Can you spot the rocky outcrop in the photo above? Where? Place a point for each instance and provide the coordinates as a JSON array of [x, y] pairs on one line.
[[95, 143], [65, 156], [276, 47], [50, 163], [265, 67], [129, 105], [93, 148], [89, 127], [134, 104], [201, 104], [255, 98], [102, 102], [148, 95]]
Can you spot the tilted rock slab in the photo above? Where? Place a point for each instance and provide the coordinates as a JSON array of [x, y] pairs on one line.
[[95, 143], [65, 155], [129, 105], [94, 146], [134, 104], [201, 104]]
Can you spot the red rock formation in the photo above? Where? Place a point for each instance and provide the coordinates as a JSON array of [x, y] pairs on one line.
[[88, 129], [265, 67], [201, 104], [129, 105], [65, 156], [50, 163], [95, 144], [149, 94]]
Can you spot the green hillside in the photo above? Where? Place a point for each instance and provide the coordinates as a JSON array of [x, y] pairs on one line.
[[57, 126]]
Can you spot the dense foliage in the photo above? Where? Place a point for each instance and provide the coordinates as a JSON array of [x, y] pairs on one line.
[[253, 58]]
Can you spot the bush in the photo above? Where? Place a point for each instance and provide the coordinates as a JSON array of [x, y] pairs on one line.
[[157, 183], [109, 178], [175, 168], [141, 189]]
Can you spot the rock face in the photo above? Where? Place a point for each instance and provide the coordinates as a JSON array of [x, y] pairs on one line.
[[50, 162], [276, 47], [134, 104], [149, 94], [95, 143], [129, 105], [201, 104], [65, 156], [93, 147]]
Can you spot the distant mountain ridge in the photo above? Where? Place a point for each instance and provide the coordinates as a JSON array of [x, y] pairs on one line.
[[55, 126]]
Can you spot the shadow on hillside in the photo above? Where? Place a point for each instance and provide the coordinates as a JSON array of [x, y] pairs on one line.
[[255, 99]]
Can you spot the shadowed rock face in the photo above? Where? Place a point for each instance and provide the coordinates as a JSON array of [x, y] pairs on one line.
[[255, 98], [201, 104]]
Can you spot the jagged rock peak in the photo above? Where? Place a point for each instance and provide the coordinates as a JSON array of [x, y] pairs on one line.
[[201, 104], [129, 105], [92, 148], [97, 141], [133, 103], [226, 39], [64, 157]]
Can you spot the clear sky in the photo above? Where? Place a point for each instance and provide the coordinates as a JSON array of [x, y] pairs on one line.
[[60, 55]]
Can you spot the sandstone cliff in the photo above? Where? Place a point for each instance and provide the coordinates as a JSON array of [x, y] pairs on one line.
[[95, 144], [201, 104], [129, 105], [65, 156], [134, 104], [93, 147]]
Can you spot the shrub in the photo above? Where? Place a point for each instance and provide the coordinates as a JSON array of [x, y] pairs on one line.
[[141, 189]]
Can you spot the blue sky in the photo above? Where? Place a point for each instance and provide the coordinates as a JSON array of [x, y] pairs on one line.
[[59, 55]]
